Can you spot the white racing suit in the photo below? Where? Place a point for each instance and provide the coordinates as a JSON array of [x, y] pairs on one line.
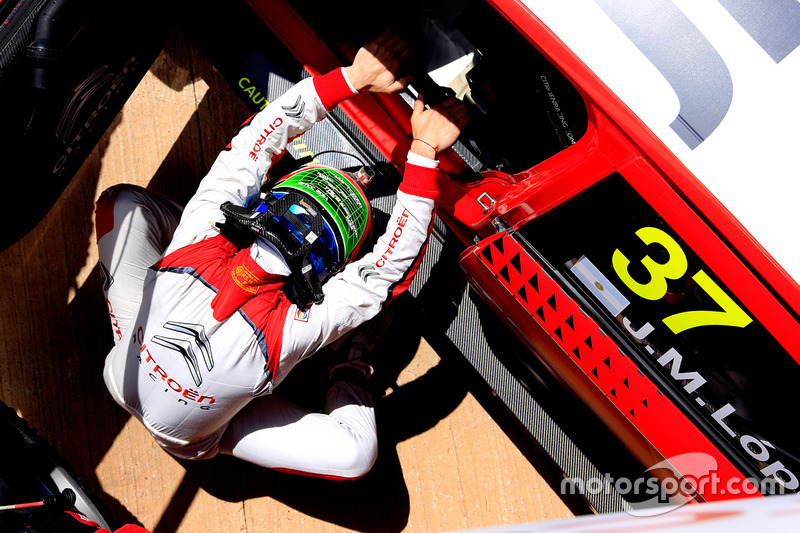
[[203, 330]]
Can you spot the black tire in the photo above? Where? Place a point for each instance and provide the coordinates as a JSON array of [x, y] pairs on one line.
[[32, 470]]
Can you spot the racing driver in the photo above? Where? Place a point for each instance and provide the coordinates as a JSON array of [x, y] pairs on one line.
[[204, 322]]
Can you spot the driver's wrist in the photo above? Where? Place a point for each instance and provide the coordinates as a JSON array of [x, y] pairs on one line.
[[353, 79], [348, 75], [424, 148]]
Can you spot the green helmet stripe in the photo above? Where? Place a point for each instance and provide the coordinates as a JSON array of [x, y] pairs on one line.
[[341, 198]]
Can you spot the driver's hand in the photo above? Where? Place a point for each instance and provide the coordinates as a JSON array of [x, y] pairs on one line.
[[376, 64], [436, 129]]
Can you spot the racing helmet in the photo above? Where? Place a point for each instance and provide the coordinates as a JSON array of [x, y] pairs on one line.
[[317, 217]]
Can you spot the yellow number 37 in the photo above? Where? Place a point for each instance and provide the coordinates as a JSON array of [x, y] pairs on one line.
[[675, 267]]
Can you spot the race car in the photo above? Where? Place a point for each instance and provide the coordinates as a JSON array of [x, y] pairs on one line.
[[623, 202]]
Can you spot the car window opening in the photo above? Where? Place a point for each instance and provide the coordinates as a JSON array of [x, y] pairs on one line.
[[524, 110]]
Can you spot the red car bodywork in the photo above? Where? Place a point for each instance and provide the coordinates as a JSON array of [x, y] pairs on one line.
[[530, 298]]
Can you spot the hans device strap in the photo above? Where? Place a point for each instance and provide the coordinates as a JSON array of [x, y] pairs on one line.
[[294, 238]]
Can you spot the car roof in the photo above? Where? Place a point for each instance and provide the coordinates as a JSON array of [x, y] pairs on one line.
[[717, 84]]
